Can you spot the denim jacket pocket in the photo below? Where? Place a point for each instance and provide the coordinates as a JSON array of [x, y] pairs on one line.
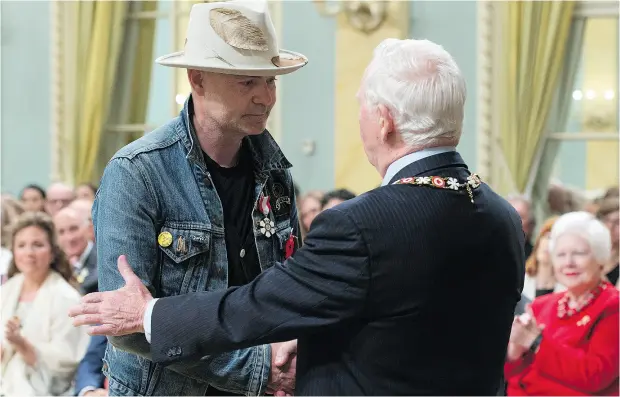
[[181, 241], [185, 251]]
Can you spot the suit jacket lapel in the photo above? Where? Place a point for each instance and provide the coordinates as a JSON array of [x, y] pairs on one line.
[[429, 164]]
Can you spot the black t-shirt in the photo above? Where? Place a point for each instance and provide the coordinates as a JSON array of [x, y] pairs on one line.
[[235, 187]]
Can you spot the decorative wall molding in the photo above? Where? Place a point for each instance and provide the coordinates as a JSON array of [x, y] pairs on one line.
[[484, 83], [364, 15], [594, 9], [56, 88], [491, 163], [274, 123]]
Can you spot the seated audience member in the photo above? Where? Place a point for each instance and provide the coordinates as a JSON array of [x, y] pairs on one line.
[[84, 208], [72, 229], [576, 200], [568, 343], [539, 278], [33, 198], [523, 206], [335, 197], [40, 347], [89, 379], [592, 206], [612, 192], [609, 214], [86, 191], [11, 210], [558, 199], [309, 208], [58, 196]]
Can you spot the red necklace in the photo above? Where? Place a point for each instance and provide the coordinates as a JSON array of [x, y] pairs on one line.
[[564, 310]]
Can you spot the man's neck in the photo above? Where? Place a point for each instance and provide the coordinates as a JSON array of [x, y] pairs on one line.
[[392, 156], [220, 146]]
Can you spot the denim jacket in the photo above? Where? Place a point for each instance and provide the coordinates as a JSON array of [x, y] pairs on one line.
[[160, 183]]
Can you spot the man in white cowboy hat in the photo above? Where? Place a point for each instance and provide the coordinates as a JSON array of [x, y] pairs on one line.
[[204, 202], [409, 289]]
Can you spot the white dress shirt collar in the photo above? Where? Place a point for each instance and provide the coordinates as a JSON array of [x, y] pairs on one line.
[[80, 263]]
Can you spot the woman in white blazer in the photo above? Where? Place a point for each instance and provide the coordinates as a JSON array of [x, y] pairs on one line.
[[40, 349]]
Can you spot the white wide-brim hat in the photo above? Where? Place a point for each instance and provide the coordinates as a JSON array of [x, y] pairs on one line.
[[233, 37]]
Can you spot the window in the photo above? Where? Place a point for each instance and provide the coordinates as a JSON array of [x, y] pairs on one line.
[[588, 155]]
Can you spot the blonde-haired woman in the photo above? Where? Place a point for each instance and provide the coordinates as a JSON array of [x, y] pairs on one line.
[[567, 344], [40, 348], [539, 278]]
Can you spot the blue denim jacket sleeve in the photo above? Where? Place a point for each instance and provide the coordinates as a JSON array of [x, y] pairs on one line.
[[125, 215]]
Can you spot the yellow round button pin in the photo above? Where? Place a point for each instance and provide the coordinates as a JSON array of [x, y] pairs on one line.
[[164, 239]]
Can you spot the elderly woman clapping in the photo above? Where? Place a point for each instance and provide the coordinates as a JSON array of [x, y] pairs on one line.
[[567, 344]]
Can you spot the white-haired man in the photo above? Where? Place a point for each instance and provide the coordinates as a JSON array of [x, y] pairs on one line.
[[408, 289], [72, 229]]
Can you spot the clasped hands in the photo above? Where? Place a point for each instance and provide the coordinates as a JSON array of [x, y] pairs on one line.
[[524, 332], [13, 335], [121, 312]]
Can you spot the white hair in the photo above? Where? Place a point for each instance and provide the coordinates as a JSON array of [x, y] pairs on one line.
[[586, 226], [423, 88]]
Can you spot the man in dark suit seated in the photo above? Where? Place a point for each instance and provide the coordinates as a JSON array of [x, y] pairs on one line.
[[408, 289], [73, 225], [72, 229], [89, 379]]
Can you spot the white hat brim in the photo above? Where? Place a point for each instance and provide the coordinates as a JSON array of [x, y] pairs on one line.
[[293, 60]]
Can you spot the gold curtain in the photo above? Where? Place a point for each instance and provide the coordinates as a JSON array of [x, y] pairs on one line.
[[92, 37], [142, 67], [130, 96], [533, 46]]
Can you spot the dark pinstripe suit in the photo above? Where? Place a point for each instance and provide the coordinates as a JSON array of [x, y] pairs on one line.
[[403, 290]]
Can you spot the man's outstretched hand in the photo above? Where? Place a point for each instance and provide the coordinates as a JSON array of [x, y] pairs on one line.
[[115, 313]]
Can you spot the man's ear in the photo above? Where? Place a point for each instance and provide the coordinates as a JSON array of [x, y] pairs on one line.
[[195, 78], [386, 122]]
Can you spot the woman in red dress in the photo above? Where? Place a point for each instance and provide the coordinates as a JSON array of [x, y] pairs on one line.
[[567, 343]]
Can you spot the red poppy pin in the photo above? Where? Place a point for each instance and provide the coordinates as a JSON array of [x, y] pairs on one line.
[[289, 248]]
